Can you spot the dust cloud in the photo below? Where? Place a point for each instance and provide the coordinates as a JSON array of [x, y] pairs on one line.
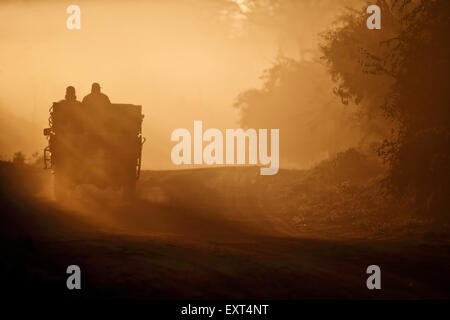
[[181, 60]]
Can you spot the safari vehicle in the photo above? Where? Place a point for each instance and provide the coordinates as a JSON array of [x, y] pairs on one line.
[[97, 145]]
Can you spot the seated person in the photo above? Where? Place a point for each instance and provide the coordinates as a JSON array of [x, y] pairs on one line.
[[96, 98], [65, 112], [70, 95]]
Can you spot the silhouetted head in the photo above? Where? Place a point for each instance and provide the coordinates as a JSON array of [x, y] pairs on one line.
[[70, 93], [95, 88]]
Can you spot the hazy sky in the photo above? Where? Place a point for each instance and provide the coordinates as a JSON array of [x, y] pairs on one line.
[[182, 60]]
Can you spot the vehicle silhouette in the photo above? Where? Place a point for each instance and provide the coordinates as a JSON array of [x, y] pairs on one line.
[[94, 143]]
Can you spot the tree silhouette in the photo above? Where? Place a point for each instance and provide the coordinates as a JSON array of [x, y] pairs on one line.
[[410, 54], [19, 158], [296, 98]]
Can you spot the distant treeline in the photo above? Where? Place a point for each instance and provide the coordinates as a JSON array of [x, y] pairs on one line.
[[397, 79], [20, 158]]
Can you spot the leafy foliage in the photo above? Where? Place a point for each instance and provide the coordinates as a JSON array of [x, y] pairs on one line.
[[410, 54], [19, 158], [296, 98]]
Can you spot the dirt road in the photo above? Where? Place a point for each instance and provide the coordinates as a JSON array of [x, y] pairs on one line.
[[164, 246]]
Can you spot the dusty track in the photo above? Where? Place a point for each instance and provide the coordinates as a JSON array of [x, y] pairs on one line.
[[203, 245]]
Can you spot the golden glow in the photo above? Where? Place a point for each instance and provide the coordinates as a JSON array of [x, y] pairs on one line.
[[181, 60]]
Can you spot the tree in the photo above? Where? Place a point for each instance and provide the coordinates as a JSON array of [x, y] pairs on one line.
[[411, 55], [19, 158], [296, 98]]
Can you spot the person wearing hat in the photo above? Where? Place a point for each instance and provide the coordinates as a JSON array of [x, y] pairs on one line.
[[70, 95], [65, 122], [96, 97]]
